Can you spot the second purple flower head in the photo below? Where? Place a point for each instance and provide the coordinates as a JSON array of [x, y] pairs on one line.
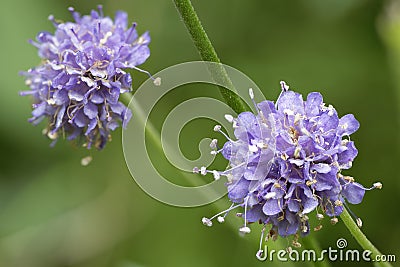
[[77, 86]]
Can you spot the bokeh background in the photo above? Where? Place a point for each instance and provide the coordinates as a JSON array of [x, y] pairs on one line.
[[54, 212]]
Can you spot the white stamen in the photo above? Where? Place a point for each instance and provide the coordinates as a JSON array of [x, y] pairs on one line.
[[232, 207], [253, 148], [229, 118], [206, 222], [359, 222], [195, 170], [157, 81], [140, 40], [270, 195], [244, 230], [216, 174], [251, 93], [320, 216], [334, 220], [262, 145], [86, 160], [297, 152], [51, 101], [344, 142], [221, 219], [289, 112], [284, 86], [217, 128], [106, 36], [203, 170], [378, 185], [213, 143], [338, 202], [297, 118], [52, 136], [303, 217]]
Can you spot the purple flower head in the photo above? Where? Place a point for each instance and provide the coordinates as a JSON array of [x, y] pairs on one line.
[[78, 84], [286, 161]]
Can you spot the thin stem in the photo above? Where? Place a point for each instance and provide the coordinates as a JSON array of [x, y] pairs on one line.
[[207, 53], [361, 238]]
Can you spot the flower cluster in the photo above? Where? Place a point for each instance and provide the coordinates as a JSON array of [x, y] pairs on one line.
[[286, 162], [78, 85]]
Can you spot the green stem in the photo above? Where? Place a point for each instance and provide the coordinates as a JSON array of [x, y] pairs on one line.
[[360, 237], [207, 53]]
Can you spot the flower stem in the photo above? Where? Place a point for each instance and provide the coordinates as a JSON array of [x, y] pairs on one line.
[[207, 53], [360, 237]]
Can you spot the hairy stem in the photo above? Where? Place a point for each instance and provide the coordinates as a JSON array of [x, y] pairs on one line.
[[207, 53], [361, 238]]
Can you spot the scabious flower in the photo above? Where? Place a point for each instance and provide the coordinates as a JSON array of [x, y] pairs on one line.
[[287, 161], [77, 86]]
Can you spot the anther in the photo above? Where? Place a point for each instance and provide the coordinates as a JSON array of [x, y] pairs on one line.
[[320, 216], [308, 183], [284, 86], [377, 185], [229, 118], [221, 219], [338, 202], [203, 170], [86, 160], [253, 148], [296, 244], [269, 195], [217, 128], [213, 144], [334, 221], [297, 152], [51, 101], [157, 81], [251, 93], [244, 230], [52, 136], [359, 222], [348, 178], [303, 217], [318, 227], [216, 174], [206, 222]]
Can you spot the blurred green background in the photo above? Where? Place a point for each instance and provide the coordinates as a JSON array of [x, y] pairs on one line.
[[54, 212]]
